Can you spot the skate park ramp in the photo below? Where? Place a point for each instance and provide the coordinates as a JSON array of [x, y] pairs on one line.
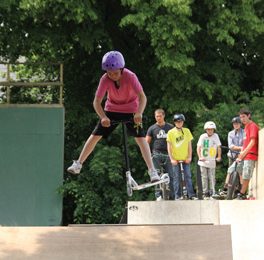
[[244, 217], [117, 242], [31, 159]]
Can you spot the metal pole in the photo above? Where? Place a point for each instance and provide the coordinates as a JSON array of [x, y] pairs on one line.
[[8, 87], [61, 80], [125, 146]]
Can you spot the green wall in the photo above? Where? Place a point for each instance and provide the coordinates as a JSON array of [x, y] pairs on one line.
[[31, 165]]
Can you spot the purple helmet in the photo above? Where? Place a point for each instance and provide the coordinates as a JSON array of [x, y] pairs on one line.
[[113, 60]]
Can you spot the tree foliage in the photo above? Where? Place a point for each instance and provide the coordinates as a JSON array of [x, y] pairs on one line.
[[201, 58]]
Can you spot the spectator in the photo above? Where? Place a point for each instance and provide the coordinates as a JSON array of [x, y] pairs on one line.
[[235, 144], [208, 147], [179, 145], [250, 145], [158, 134]]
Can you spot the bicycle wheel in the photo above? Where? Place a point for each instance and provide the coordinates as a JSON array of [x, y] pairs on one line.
[[232, 183]]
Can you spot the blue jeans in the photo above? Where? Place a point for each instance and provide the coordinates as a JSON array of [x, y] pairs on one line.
[[164, 161], [187, 177]]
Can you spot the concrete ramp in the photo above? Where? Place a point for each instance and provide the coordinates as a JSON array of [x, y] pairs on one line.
[[117, 242], [245, 217], [173, 212], [247, 224]]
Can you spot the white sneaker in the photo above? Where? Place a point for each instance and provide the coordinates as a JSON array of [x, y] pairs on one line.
[[154, 177], [159, 198], [75, 168]]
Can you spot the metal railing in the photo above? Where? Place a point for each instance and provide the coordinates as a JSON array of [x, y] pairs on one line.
[[9, 83]]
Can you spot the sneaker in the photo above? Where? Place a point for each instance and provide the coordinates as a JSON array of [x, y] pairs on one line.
[[223, 193], [159, 198], [217, 196], [235, 193], [75, 168], [193, 198], [206, 195], [241, 196], [220, 195], [154, 177]]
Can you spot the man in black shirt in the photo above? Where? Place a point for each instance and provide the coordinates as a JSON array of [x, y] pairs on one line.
[[158, 134]]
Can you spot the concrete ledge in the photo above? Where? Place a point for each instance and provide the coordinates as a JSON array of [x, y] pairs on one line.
[[173, 212], [117, 242], [245, 217], [246, 220]]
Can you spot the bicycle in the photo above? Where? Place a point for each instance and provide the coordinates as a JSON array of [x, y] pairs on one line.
[[131, 183], [234, 185], [163, 187]]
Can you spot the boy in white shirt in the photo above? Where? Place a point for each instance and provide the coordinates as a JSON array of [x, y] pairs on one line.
[[208, 147]]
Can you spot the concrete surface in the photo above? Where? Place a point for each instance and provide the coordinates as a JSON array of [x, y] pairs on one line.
[[173, 212], [117, 242], [245, 217], [247, 224]]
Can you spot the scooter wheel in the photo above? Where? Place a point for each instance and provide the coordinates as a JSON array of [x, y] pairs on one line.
[[129, 191]]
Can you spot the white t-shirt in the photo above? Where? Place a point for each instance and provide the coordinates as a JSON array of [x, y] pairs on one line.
[[209, 149]]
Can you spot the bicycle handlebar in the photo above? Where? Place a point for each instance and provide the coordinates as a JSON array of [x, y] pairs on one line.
[[124, 121], [237, 152]]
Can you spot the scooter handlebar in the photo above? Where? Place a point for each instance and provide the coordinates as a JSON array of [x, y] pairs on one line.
[[210, 160], [124, 121]]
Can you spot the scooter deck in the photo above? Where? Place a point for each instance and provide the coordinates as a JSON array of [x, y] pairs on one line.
[[148, 184]]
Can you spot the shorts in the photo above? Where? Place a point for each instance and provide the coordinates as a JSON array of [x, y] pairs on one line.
[[135, 130], [233, 167], [246, 166], [248, 169]]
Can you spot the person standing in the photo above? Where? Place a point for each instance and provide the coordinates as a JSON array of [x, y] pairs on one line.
[[208, 147], [235, 144], [179, 145], [250, 145], [235, 140], [157, 133]]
